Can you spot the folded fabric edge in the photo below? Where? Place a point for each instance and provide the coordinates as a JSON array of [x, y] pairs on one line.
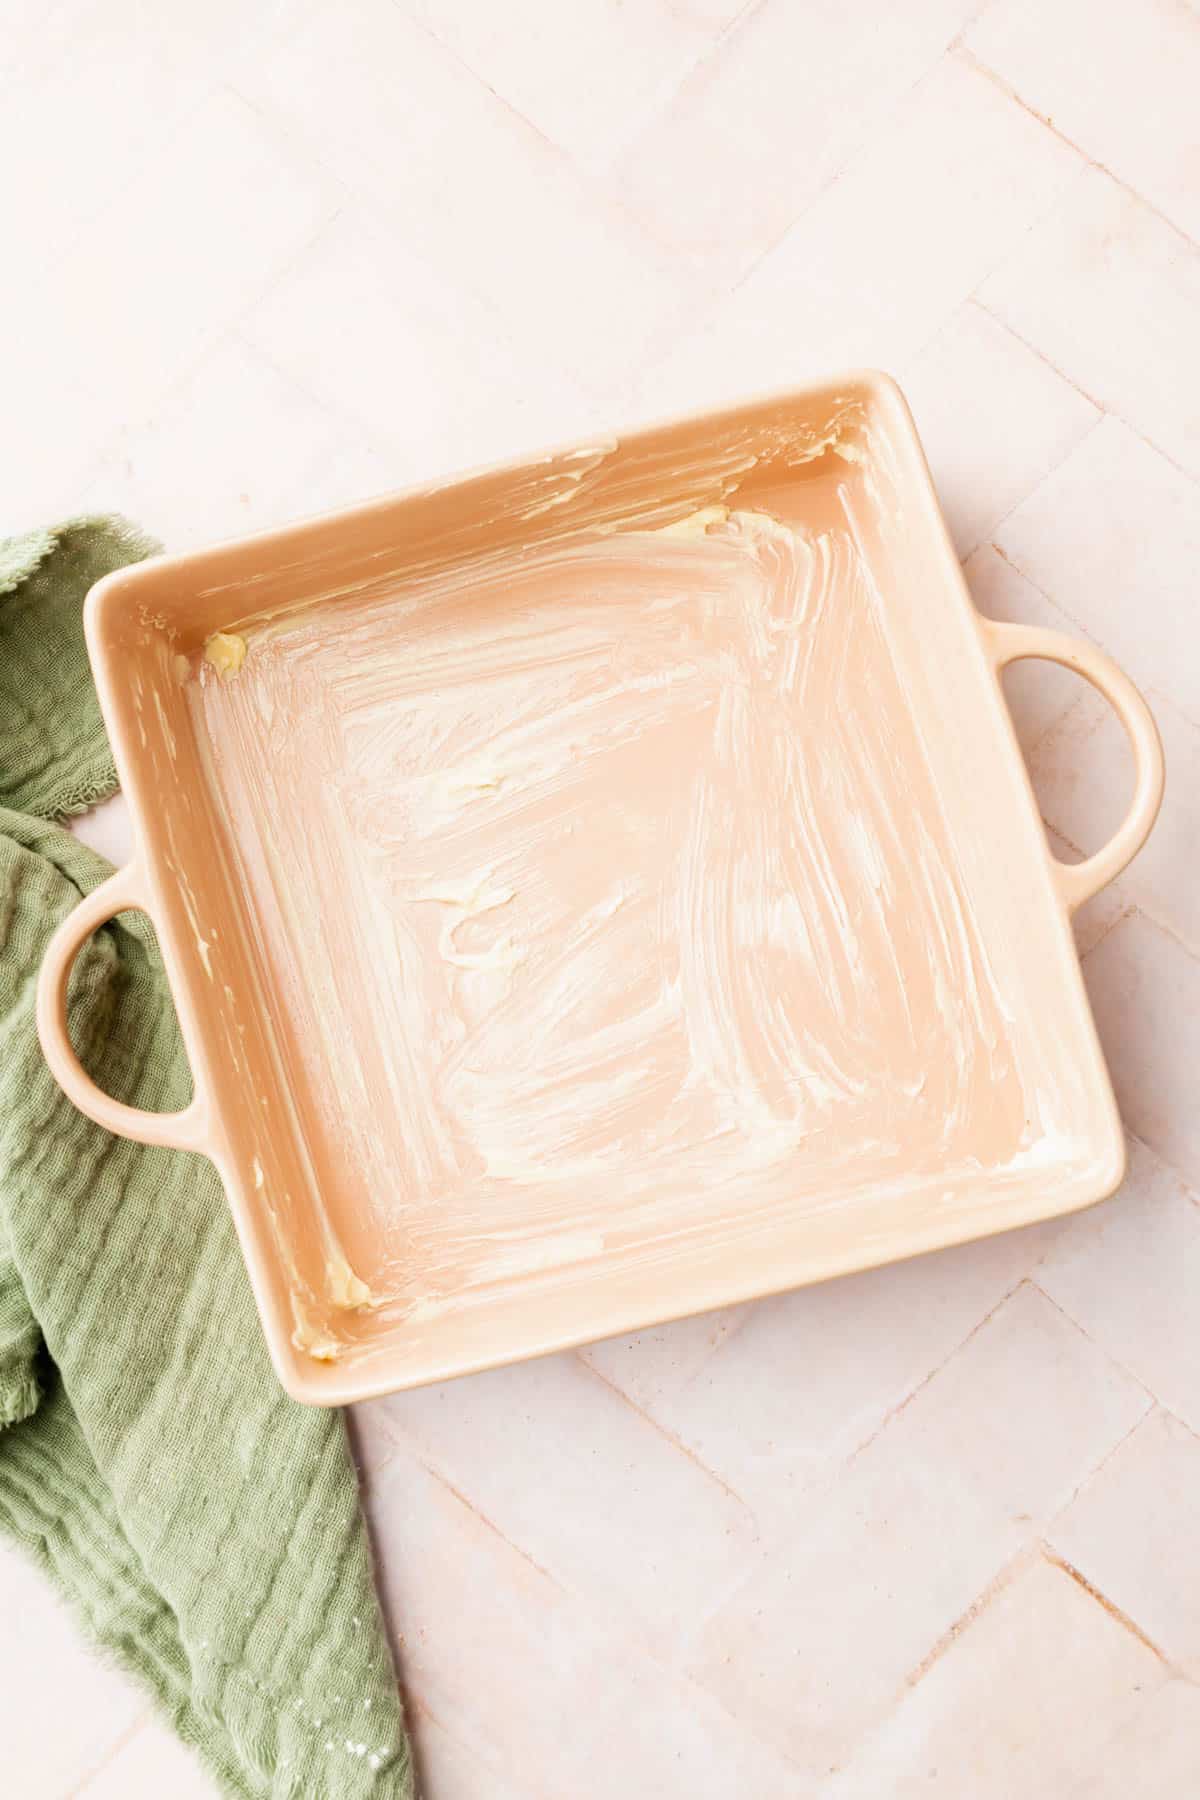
[[19, 1396], [24, 551], [24, 556]]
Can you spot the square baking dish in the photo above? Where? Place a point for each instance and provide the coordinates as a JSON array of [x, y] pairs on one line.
[[600, 889]]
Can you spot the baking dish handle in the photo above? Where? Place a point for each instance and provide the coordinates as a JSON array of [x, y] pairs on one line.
[[1077, 882], [181, 1130]]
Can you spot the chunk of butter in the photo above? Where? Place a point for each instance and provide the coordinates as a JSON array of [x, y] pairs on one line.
[[345, 1288], [226, 651], [696, 524]]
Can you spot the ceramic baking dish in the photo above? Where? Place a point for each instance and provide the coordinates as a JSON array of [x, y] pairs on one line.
[[600, 889]]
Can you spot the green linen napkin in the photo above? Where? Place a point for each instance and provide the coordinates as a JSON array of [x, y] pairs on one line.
[[205, 1527]]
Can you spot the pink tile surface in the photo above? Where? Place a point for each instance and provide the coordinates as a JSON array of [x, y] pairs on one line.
[[924, 1532]]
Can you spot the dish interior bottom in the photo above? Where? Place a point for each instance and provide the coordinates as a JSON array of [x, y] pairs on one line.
[[604, 903]]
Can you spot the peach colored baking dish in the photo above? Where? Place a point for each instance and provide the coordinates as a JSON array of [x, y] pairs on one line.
[[600, 889]]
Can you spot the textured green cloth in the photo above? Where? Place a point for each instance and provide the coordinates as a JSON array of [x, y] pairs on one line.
[[206, 1528]]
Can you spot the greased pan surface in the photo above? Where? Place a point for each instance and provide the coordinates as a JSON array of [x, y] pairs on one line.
[[601, 889]]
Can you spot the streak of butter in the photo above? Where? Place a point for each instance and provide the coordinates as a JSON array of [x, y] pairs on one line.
[[468, 900], [226, 652], [696, 524], [344, 1287], [348, 1294], [203, 944], [471, 896], [501, 955], [316, 1343], [544, 1253], [754, 523], [181, 668], [482, 775]]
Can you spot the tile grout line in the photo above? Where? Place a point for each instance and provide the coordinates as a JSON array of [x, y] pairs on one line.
[[1087, 632], [989, 313], [231, 330], [1116, 1613], [417, 1703], [1008, 1572], [340, 199], [893, 1412], [1126, 912], [1017, 1564], [1137, 908], [1102, 1350], [477, 1512], [114, 198], [1092, 426], [754, 1732], [1037, 587], [1109, 412], [687, 68], [722, 291], [1168, 1412], [890, 112], [964, 60], [1000, 82], [359, 201], [459, 62], [566, 159], [678, 1672], [1173, 706], [79, 1788], [1193, 1194], [359, 434], [1043, 740], [675, 1442], [1113, 1448], [731, 1336], [1168, 931], [368, 1476]]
